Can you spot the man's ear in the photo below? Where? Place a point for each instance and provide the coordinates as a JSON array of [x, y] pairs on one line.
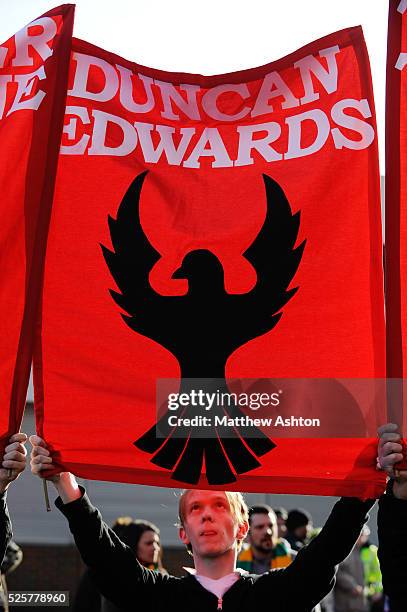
[[183, 536], [242, 530]]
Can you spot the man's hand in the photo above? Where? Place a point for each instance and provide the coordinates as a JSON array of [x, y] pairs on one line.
[[41, 462], [14, 460], [389, 454]]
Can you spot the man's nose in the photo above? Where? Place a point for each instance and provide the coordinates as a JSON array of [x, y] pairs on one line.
[[207, 515]]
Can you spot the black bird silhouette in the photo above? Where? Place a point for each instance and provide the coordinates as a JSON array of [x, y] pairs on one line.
[[204, 327]]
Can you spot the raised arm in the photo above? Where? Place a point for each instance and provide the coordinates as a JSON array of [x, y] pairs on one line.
[[13, 463], [113, 565], [392, 520], [312, 572]]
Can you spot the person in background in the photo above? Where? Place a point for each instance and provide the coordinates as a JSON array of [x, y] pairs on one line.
[[281, 514], [143, 537], [13, 463], [299, 527], [265, 549], [12, 558], [358, 580]]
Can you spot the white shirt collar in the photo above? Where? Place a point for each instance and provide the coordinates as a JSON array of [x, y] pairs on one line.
[[193, 572]]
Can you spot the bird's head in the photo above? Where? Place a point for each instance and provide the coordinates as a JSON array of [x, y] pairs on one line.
[[201, 268]]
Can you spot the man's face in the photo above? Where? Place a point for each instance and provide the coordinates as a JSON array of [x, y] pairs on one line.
[[303, 532], [263, 532], [209, 525], [148, 547], [282, 529]]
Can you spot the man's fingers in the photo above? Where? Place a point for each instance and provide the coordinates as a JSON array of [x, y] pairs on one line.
[[390, 437], [390, 447], [387, 428], [16, 446], [40, 456], [17, 465], [37, 441], [394, 437], [19, 437], [15, 456], [40, 464], [388, 462], [40, 451], [41, 467], [40, 459]]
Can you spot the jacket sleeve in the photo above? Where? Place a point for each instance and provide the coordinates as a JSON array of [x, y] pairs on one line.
[[312, 573], [5, 526], [113, 566], [392, 531]]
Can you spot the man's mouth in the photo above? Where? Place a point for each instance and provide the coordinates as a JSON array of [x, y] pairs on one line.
[[208, 532]]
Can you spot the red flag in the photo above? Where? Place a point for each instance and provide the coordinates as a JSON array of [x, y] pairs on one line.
[[33, 73], [396, 207], [203, 203]]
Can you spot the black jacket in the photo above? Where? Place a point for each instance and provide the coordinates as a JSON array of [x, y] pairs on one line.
[[5, 526], [392, 530], [297, 588]]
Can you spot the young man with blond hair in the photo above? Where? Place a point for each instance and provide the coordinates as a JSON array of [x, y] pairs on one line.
[[212, 526]]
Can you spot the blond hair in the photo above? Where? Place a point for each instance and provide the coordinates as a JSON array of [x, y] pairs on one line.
[[238, 509]]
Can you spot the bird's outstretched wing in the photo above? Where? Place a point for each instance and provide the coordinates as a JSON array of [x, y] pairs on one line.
[[272, 254], [133, 256]]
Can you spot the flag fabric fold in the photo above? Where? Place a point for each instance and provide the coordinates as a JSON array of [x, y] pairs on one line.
[[396, 211], [34, 67]]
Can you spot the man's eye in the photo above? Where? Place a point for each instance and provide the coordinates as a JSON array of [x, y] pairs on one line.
[[220, 504]]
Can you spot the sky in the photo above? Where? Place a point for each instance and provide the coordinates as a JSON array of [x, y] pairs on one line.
[[214, 37]]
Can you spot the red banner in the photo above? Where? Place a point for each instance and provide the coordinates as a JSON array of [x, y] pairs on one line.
[[396, 210], [235, 220], [33, 74]]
